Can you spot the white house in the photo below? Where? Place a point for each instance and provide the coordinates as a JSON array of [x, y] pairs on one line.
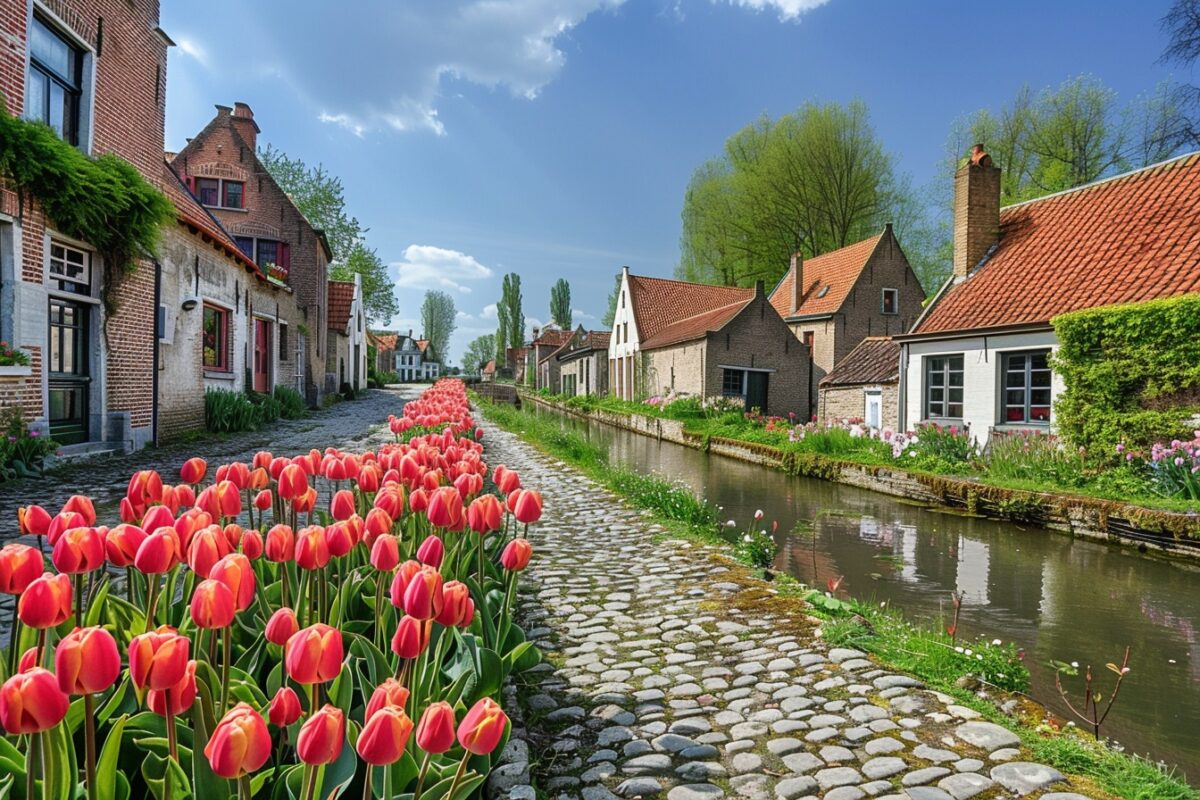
[[346, 363], [978, 354], [415, 360]]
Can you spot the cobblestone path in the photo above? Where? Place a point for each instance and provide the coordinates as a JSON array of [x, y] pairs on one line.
[[661, 679]]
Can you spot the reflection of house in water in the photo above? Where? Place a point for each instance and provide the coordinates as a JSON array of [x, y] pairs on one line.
[[972, 579], [1016, 580]]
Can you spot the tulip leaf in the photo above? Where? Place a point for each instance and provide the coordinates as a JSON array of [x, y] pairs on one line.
[[522, 657], [204, 780], [259, 778], [97, 605], [333, 779], [113, 702], [484, 615], [490, 672], [156, 770], [11, 760], [441, 789], [74, 716], [59, 775], [106, 765], [341, 691]]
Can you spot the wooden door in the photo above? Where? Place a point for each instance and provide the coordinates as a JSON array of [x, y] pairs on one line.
[[262, 356]]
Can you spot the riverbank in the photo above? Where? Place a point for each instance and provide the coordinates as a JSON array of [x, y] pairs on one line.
[[1171, 532], [1117, 774]]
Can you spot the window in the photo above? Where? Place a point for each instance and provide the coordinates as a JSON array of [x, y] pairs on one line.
[[70, 268], [944, 387], [1026, 387], [246, 244], [891, 301], [209, 191], [219, 193], [268, 252], [824, 291], [216, 338], [274, 257], [625, 331], [733, 383], [283, 341], [55, 80], [232, 194]]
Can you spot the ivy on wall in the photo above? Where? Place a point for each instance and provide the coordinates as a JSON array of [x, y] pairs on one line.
[[103, 201], [1131, 374]]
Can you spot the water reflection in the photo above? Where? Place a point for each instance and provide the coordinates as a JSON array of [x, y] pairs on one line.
[[1056, 597]]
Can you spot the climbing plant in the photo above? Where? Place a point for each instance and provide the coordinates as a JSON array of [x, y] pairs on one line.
[[103, 201]]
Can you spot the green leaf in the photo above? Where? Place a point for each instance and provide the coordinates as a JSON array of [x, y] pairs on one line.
[[11, 759], [59, 770], [97, 606], [106, 765], [206, 782]]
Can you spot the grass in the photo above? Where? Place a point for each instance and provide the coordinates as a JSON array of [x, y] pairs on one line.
[[884, 632]]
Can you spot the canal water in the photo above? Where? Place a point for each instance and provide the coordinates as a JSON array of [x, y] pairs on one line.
[[1056, 597]]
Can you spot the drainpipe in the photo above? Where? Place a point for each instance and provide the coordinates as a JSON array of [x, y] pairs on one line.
[[154, 363]]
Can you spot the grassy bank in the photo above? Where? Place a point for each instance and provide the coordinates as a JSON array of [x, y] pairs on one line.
[[929, 655]]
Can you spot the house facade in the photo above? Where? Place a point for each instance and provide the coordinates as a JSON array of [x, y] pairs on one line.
[[834, 301], [95, 71], [415, 360], [865, 385], [384, 343], [545, 342], [981, 353], [221, 168], [583, 363], [346, 364]]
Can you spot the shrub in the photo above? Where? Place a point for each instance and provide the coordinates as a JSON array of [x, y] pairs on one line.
[[385, 378], [227, 411], [22, 451], [936, 448], [291, 402], [267, 407]]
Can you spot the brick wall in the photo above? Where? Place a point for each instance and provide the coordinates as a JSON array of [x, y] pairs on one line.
[[758, 338], [849, 402]]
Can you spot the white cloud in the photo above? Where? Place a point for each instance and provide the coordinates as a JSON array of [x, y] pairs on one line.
[[788, 9], [428, 267], [192, 48], [462, 315], [489, 312], [578, 313]]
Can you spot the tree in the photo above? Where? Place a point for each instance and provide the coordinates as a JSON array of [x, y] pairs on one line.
[[1182, 24], [511, 331], [611, 313], [478, 353], [438, 322], [379, 293], [500, 340], [560, 303]]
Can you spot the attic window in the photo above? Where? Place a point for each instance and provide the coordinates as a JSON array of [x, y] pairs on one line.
[[824, 291]]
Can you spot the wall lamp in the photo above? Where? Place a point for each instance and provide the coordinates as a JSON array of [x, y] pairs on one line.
[[190, 303]]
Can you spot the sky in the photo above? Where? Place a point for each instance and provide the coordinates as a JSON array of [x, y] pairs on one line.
[[555, 138]]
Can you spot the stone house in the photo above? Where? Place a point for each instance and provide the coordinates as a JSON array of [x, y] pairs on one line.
[[708, 341], [488, 373], [837, 299], [346, 364], [865, 385], [384, 343], [221, 167], [583, 363], [545, 342], [979, 355], [95, 71]]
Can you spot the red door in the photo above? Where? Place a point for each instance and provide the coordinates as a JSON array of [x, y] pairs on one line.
[[262, 356]]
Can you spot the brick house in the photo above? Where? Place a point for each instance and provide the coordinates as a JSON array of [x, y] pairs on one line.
[[979, 354], [708, 341], [583, 363], [95, 70], [837, 299], [221, 167], [346, 363], [864, 385], [545, 342]]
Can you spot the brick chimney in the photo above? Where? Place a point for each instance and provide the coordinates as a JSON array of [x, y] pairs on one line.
[[976, 210], [797, 281], [243, 122]]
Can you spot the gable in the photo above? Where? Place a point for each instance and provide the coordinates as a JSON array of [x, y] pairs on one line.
[[827, 279]]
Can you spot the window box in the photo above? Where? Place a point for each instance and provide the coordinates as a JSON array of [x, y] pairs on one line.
[[15, 373]]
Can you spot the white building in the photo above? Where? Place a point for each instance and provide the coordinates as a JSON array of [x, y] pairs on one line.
[[415, 360]]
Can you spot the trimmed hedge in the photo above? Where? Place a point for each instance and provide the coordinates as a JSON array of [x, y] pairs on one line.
[[1131, 372]]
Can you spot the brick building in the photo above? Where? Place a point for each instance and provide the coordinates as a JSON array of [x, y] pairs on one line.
[[583, 363], [864, 386], [221, 167], [95, 70], [538, 371]]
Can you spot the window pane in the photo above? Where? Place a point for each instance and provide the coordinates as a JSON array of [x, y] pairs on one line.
[[937, 378], [1015, 398], [207, 189], [936, 394], [955, 410], [267, 252], [1038, 361], [233, 194], [1039, 413], [956, 363], [956, 395], [1039, 397], [1015, 414], [52, 50], [246, 244], [58, 107], [1040, 378], [35, 103]]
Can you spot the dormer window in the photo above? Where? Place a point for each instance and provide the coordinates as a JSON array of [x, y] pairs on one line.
[[824, 291], [55, 80]]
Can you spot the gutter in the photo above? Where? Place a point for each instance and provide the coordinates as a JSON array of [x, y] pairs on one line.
[[971, 333]]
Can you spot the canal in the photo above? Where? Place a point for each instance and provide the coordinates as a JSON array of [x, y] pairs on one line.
[[1056, 597]]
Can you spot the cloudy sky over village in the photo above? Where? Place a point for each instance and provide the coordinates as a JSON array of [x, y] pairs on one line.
[[556, 137]]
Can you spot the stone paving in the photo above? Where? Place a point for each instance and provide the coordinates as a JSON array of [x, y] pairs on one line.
[[659, 683]]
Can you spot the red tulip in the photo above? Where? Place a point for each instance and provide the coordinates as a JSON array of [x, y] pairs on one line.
[[339, 538], [236, 473], [207, 547], [20, 565], [158, 659], [293, 483], [384, 736], [445, 507], [377, 523], [160, 551], [213, 605], [516, 554], [179, 698], [185, 497], [391, 501], [145, 488], [342, 505], [400, 582], [28, 660], [221, 500], [235, 571], [33, 520], [410, 640], [314, 654], [62, 523], [485, 513], [46, 602], [322, 736], [188, 523], [121, 544], [240, 743], [423, 597], [435, 731], [312, 548], [262, 500], [281, 544], [385, 553], [83, 506], [431, 552], [418, 501], [483, 727], [262, 460], [281, 626], [86, 661], [458, 609], [528, 507], [31, 702], [506, 480], [284, 708], [259, 480], [389, 693], [252, 545], [193, 470], [78, 550]]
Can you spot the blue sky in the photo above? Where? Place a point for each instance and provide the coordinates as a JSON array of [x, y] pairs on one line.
[[555, 138]]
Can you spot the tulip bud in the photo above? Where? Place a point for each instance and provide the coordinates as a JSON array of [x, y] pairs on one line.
[[293, 483], [158, 552], [193, 470], [385, 553], [312, 548], [342, 505], [213, 604], [252, 545], [185, 497], [20, 565], [31, 702], [391, 502], [78, 550], [262, 460], [284, 708], [158, 659], [28, 660], [516, 554], [121, 544], [314, 654], [484, 514], [432, 551], [339, 537], [240, 743], [86, 661], [178, 699], [281, 626], [46, 602], [145, 488], [262, 500], [322, 736], [410, 640], [235, 571], [306, 502], [435, 731], [483, 727], [384, 736], [281, 544], [33, 520], [83, 506], [418, 501], [377, 523], [207, 547], [389, 693], [445, 507], [423, 597], [506, 480], [458, 609]]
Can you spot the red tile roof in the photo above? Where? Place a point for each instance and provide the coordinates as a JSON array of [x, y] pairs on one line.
[[385, 341], [341, 297], [422, 344], [838, 270], [553, 337], [696, 326], [1126, 239], [193, 216], [876, 359], [659, 303], [490, 367]]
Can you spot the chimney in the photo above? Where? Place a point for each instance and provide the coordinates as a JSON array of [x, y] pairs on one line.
[[535, 333], [976, 211], [797, 281], [243, 122], [410, 333]]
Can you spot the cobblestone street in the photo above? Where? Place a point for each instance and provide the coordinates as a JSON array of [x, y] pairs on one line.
[[662, 679]]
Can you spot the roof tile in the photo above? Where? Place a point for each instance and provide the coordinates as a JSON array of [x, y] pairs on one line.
[[876, 359], [838, 270], [341, 298]]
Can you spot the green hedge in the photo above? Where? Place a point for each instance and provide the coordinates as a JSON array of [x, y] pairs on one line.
[[1131, 373]]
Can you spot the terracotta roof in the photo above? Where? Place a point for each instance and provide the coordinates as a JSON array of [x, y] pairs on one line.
[[192, 215], [341, 297], [385, 341], [553, 337], [490, 367], [422, 344], [696, 326], [590, 342], [828, 279], [659, 303], [876, 359], [1129, 238], [598, 340]]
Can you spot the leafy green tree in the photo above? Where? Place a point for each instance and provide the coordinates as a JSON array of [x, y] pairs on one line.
[[560, 303], [511, 331], [379, 292], [613, 296], [438, 322], [479, 352], [500, 340]]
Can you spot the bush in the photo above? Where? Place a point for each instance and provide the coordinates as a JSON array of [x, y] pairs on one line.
[[931, 447], [268, 408], [291, 403], [385, 378], [11, 357], [227, 411]]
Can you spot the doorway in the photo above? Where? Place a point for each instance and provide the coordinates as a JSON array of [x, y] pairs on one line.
[[262, 356], [756, 391], [69, 379]]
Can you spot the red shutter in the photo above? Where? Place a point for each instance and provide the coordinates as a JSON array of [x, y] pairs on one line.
[[191, 183], [285, 257]]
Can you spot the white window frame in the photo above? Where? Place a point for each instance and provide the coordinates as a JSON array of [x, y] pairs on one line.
[[883, 301]]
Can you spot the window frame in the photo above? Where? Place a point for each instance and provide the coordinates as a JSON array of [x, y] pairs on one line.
[[60, 280], [74, 86], [1027, 388], [945, 371], [222, 349], [885, 293], [726, 374]]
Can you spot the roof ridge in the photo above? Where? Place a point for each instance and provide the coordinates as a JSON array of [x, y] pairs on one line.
[[1101, 181], [692, 283]]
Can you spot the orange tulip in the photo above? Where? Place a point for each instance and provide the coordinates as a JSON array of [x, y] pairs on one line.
[[259, 480], [293, 483], [158, 659], [185, 496], [305, 503], [86, 661], [314, 654], [483, 727], [312, 548], [281, 544], [20, 565], [409, 641], [78, 550], [145, 488], [322, 736], [262, 460], [516, 554], [432, 551], [284, 708], [458, 609], [423, 597], [188, 523], [33, 520], [385, 553], [342, 505], [528, 507], [193, 471], [31, 702], [404, 576], [236, 473], [160, 551], [235, 571], [384, 736], [445, 507], [281, 626], [221, 500], [435, 731], [121, 544], [207, 547], [62, 523], [240, 743], [46, 602], [389, 693], [213, 604], [484, 514], [82, 506], [178, 699]]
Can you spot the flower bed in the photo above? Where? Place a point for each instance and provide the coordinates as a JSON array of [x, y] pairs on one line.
[[292, 628]]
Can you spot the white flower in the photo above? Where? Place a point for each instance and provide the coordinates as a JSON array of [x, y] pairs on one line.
[[731, 524], [969, 652], [1075, 664], [979, 656], [997, 642], [958, 649], [758, 514], [746, 538]]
